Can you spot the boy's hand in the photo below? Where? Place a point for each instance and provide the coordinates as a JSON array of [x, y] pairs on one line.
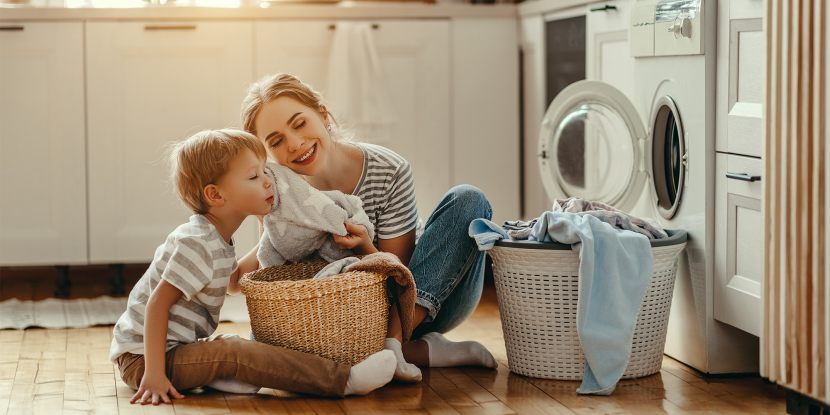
[[153, 388], [357, 239]]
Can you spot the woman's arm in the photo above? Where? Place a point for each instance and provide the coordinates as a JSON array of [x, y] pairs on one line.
[[358, 240], [155, 385], [402, 246]]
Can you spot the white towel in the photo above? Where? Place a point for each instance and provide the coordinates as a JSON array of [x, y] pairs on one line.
[[356, 87]]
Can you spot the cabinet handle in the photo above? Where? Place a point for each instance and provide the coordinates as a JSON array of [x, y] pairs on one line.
[[374, 26], [605, 8], [743, 176], [156, 27], [11, 28]]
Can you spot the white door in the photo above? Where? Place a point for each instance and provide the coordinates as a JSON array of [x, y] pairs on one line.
[[148, 84], [42, 153], [415, 61], [593, 111]]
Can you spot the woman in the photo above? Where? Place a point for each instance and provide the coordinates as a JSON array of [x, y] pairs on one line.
[[288, 117]]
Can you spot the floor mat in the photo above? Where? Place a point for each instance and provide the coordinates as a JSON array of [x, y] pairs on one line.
[[54, 313]]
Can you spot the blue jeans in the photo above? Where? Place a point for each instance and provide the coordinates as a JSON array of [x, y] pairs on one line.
[[447, 266]]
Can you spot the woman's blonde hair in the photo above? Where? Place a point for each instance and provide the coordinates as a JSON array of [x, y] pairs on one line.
[[271, 87], [203, 159]]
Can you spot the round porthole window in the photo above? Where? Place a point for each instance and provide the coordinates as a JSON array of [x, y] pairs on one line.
[[590, 146], [668, 157], [594, 153]]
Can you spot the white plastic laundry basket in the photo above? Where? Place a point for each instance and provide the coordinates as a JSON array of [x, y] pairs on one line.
[[537, 285]]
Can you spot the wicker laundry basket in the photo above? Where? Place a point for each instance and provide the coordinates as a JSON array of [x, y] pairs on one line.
[[537, 286], [342, 318]]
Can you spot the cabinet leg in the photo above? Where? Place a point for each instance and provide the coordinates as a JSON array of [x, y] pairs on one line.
[[117, 280], [62, 284]]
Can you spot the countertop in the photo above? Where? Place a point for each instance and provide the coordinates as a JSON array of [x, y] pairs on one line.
[[343, 10]]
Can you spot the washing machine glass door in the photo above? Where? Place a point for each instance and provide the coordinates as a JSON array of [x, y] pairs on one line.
[[589, 146], [667, 159]]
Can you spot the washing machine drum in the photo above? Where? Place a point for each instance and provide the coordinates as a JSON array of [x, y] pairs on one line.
[[592, 144]]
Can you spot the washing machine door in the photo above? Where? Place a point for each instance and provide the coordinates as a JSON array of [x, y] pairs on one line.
[[590, 146], [666, 157]]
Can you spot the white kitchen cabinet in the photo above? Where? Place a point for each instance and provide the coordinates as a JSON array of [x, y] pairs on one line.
[[415, 61], [739, 223], [741, 72], [148, 84], [738, 264], [43, 209]]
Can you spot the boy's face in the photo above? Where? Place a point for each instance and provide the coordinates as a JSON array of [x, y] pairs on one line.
[[294, 134], [246, 188]]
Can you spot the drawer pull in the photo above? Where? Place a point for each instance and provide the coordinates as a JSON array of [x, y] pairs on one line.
[[603, 9], [374, 26], [11, 28], [154, 27], [743, 176]]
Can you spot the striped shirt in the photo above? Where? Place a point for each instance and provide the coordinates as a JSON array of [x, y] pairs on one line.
[[196, 260], [387, 189]]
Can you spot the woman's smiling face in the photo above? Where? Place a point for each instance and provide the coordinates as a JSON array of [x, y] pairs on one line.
[[294, 134]]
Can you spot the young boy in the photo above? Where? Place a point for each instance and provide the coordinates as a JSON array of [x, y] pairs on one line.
[[163, 342]]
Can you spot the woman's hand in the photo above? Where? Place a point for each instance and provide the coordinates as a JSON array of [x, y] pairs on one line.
[[357, 239], [154, 387]]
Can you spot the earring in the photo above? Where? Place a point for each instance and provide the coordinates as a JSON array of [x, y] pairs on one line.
[[328, 127]]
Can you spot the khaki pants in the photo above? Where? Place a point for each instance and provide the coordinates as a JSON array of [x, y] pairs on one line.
[[219, 356]]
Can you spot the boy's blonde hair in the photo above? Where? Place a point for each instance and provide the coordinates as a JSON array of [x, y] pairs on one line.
[[203, 159], [271, 87]]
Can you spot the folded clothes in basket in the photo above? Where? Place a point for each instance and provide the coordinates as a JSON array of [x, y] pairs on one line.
[[614, 272]]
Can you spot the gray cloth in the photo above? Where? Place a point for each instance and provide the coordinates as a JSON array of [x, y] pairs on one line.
[[337, 267], [303, 218], [518, 229]]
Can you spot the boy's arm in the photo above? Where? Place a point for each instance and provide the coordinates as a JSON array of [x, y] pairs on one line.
[[154, 384], [247, 264]]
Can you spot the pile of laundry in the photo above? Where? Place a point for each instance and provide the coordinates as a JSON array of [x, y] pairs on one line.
[[616, 266]]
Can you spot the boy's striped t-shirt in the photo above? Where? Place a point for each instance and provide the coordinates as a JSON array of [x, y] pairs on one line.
[[387, 189], [196, 260]]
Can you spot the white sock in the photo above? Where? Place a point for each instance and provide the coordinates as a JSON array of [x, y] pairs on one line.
[[232, 385], [404, 372], [445, 353], [372, 373]]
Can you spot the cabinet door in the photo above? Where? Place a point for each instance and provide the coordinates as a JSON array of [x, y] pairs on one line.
[[42, 149], [148, 84], [741, 78], [414, 57], [739, 231], [608, 56]]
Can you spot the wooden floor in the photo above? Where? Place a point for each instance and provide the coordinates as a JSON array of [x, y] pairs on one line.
[[67, 371]]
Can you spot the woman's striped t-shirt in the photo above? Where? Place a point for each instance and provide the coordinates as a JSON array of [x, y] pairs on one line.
[[387, 189]]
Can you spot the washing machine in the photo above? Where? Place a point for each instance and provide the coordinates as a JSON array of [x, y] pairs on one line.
[[653, 155]]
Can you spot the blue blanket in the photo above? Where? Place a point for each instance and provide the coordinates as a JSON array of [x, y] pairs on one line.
[[614, 272]]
